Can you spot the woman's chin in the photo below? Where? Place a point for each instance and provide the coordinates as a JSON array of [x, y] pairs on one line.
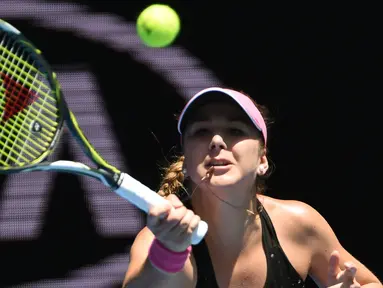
[[223, 181]]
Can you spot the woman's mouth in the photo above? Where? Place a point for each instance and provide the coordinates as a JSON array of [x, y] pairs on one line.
[[219, 166], [218, 163]]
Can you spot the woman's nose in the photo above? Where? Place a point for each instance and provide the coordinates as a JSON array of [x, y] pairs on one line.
[[217, 143]]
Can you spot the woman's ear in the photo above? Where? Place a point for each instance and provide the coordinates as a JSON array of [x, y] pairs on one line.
[[263, 165]]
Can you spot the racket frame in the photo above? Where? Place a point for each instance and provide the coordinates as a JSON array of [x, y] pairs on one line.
[[121, 183], [108, 173]]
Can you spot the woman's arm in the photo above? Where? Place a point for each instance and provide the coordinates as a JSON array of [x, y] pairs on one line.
[[141, 273], [322, 242]]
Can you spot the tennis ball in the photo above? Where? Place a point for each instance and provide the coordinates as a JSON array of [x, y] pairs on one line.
[[158, 25]]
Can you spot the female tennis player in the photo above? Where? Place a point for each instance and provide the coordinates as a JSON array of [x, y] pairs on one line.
[[253, 240]]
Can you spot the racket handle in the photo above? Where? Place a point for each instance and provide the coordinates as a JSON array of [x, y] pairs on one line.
[[143, 197]]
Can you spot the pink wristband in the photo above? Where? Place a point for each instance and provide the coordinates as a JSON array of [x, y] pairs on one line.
[[165, 259]]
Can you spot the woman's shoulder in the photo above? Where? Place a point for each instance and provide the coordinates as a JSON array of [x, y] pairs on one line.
[[292, 208], [295, 215]]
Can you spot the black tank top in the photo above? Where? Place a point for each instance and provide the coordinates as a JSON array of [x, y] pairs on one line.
[[280, 272]]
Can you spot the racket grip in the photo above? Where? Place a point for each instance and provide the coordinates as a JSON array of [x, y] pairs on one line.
[[143, 197]]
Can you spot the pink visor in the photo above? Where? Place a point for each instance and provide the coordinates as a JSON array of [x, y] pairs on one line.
[[242, 100]]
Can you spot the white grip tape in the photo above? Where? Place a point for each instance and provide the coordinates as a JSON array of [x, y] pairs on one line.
[[143, 197]]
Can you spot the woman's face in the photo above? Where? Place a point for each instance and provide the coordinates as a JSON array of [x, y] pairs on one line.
[[222, 135]]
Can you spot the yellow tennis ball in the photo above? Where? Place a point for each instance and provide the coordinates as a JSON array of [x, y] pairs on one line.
[[158, 25]]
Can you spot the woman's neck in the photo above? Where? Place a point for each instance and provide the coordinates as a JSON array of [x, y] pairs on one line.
[[228, 223]]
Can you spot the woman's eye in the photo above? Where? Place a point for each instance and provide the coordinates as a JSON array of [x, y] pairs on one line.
[[236, 131], [201, 131]]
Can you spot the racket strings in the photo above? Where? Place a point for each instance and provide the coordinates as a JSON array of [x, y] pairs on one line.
[[7, 58], [14, 144], [28, 110]]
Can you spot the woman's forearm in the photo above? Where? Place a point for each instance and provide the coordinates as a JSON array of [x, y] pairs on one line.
[[152, 277]]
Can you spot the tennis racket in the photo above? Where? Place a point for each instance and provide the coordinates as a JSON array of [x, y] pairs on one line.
[[32, 115]]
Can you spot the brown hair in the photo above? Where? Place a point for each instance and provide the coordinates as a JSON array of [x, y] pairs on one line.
[[173, 177]]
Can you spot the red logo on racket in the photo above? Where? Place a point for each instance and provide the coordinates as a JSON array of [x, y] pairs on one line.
[[17, 97]]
